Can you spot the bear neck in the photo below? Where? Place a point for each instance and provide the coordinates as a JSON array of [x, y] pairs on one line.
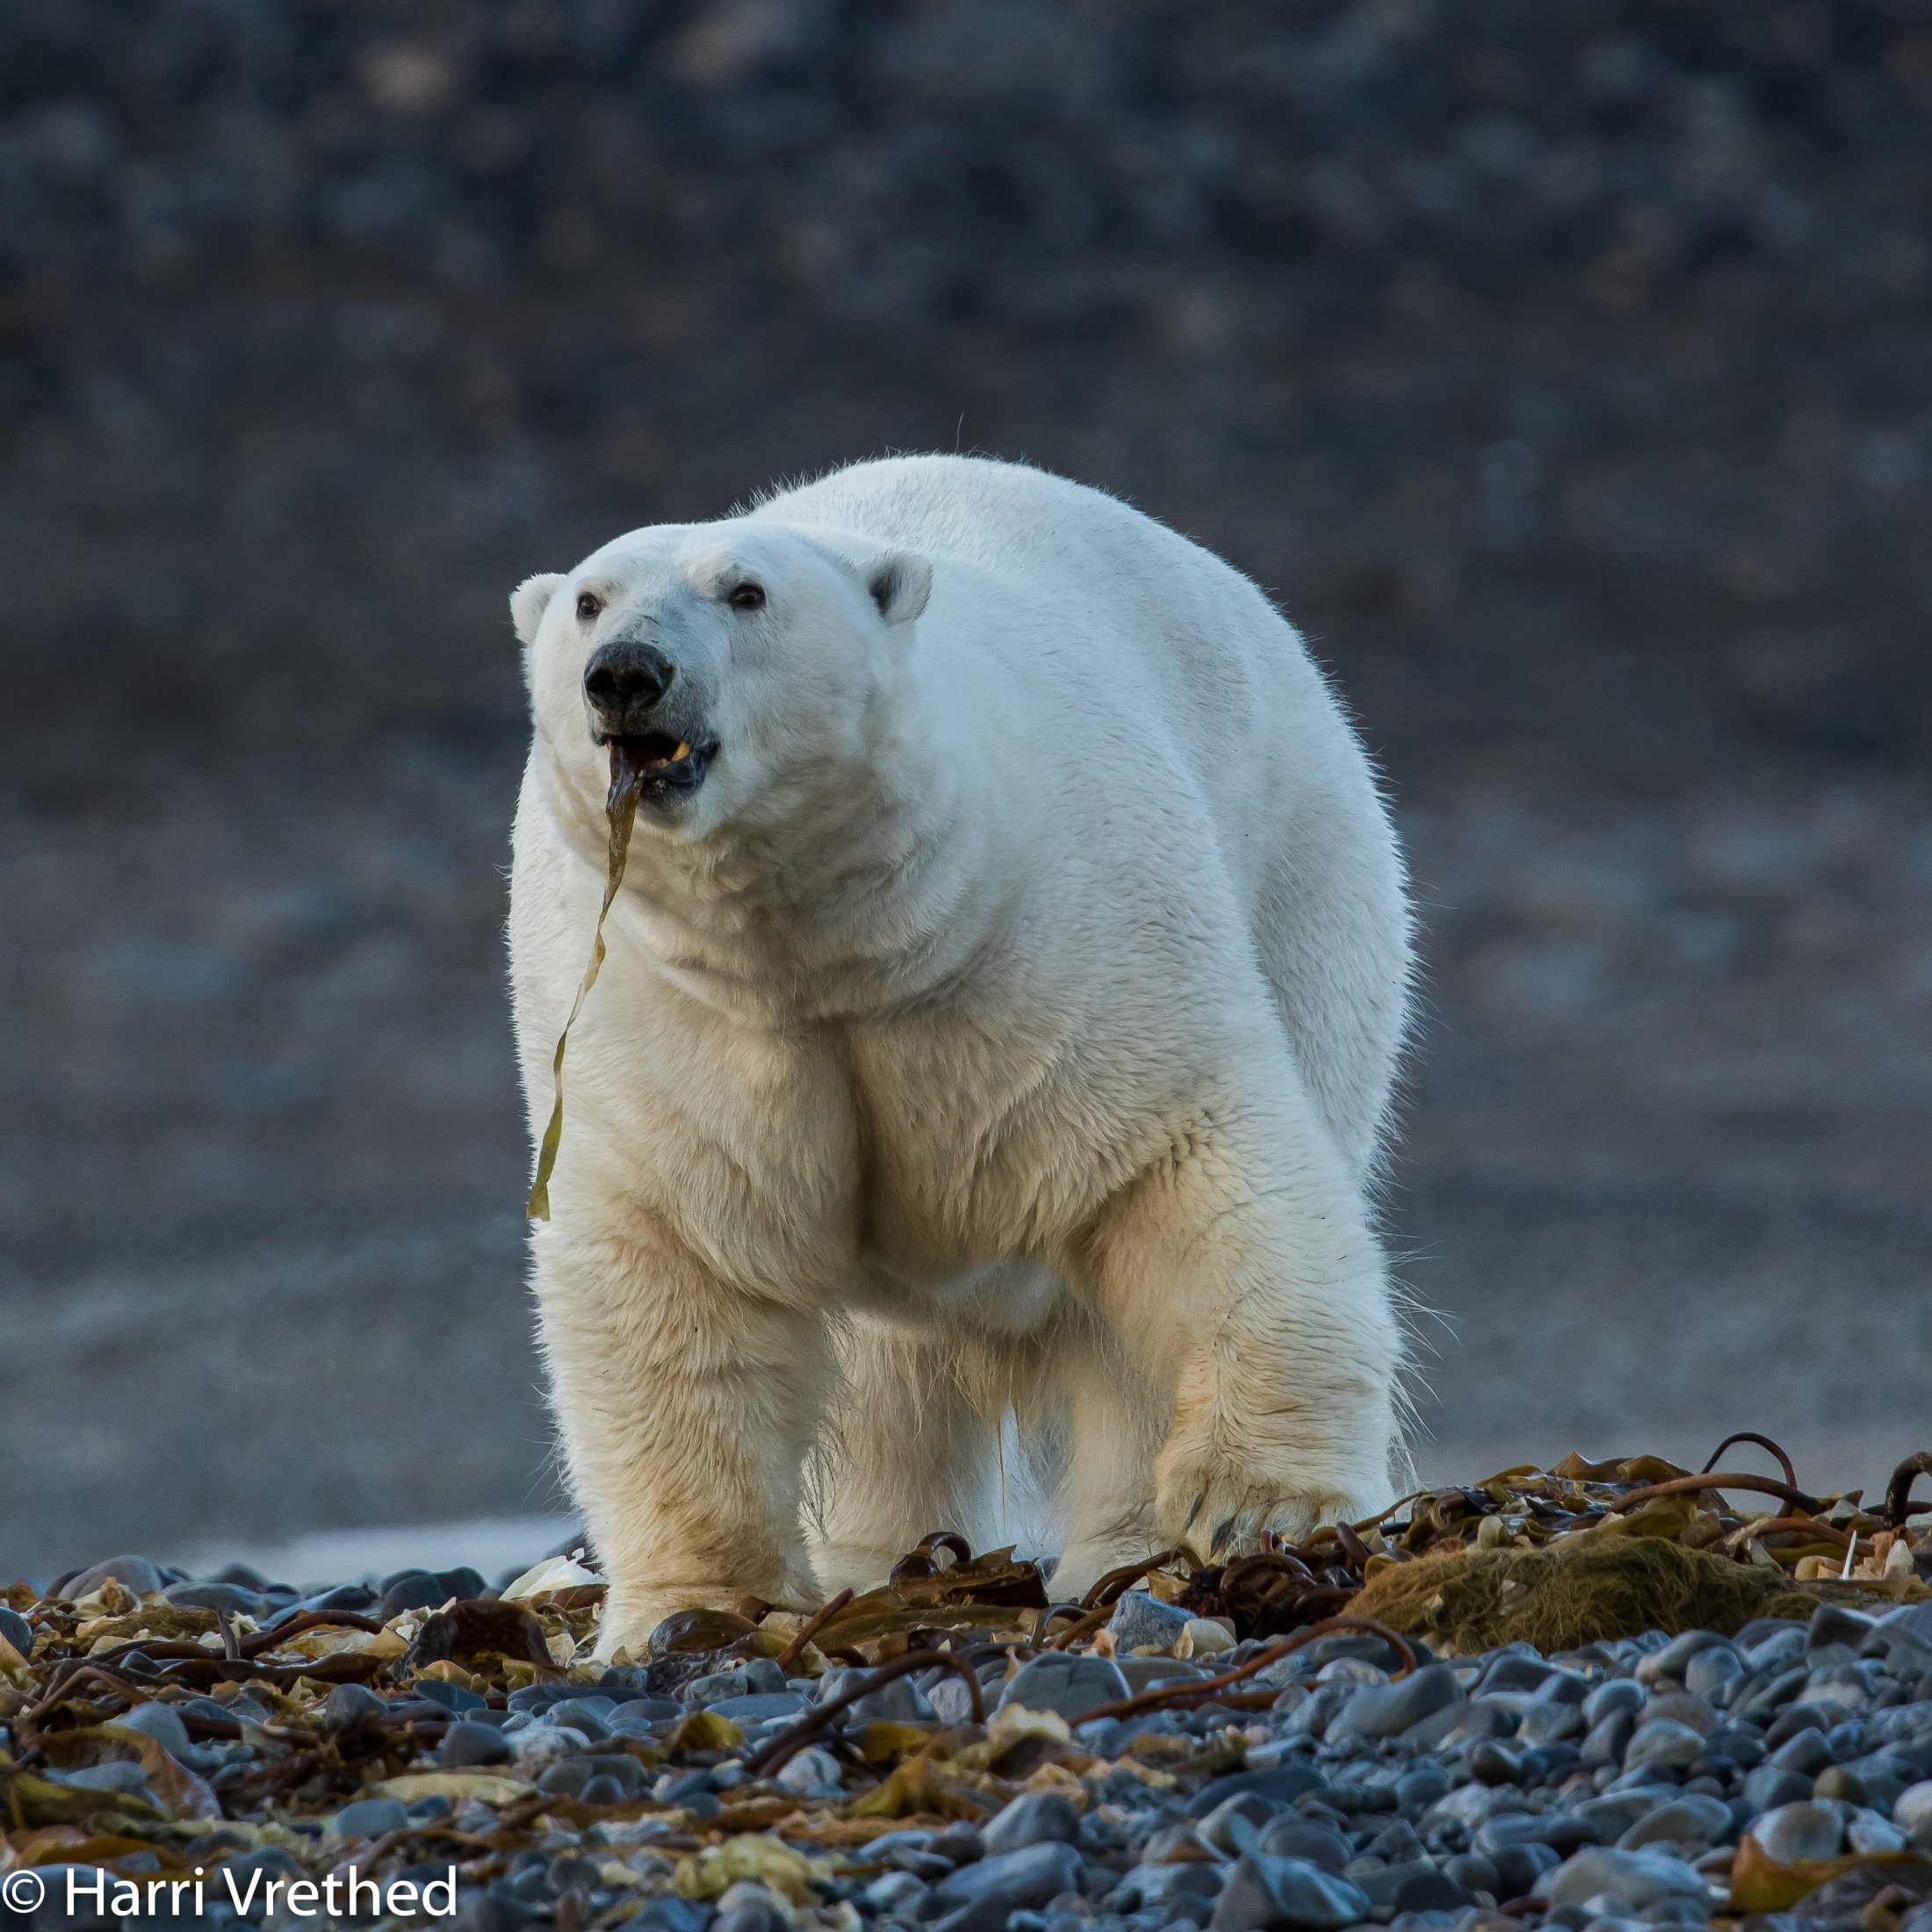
[[862, 895]]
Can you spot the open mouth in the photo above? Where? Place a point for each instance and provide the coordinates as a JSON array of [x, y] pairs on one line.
[[659, 764]]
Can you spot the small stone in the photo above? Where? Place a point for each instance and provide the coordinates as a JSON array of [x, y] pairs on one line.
[[896, 1893], [1613, 1694], [1295, 1837], [1518, 1867], [758, 1709], [426, 1590], [813, 1773], [1806, 1752], [1236, 1822], [164, 1724], [229, 1599], [900, 1701], [1609, 1738], [1550, 1723], [126, 1779], [1418, 1886], [1866, 1834], [977, 1898], [467, 1742], [1264, 1893], [134, 1573], [1280, 1786], [715, 1684], [1069, 1685], [369, 1818], [1638, 1878], [1036, 1818], [1796, 1832], [1663, 1743], [1692, 1820], [351, 1704], [1674, 1660], [1913, 1814], [1834, 1624], [1679, 1707], [17, 1631], [1711, 1669], [452, 1696], [1380, 1710], [589, 1715]]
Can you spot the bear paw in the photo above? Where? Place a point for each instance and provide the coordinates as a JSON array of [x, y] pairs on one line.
[[1215, 1506]]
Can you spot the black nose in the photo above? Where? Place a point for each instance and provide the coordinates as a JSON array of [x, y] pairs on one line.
[[624, 677]]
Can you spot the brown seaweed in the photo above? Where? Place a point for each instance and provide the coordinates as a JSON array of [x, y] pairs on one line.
[[621, 807]]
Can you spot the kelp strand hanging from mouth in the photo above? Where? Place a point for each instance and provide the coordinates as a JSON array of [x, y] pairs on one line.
[[621, 805]]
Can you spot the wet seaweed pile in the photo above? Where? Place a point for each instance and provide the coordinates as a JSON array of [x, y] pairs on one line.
[[1591, 1696]]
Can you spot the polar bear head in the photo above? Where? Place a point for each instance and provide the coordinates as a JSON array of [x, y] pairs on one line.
[[742, 664]]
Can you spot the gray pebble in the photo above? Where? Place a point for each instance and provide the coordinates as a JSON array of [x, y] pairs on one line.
[[1033, 1819], [230, 1598], [1663, 1743], [1637, 1878], [134, 1573], [977, 1897], [1912, 1813], [1380, 1710], [1690, 1819], [759, 1708], [1264, 1893], [125, 1778], [349, 1704], [1793, 1832], [467, 1742], [1140, 1617], [369, 1818], [1071, 1686], [1291, 1836], [17, 1631], [164, 1724]]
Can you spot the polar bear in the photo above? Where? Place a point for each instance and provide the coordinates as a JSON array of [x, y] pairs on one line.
[[1001, 1012]]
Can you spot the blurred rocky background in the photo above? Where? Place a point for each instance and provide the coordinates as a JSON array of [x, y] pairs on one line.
[[1564, 371]]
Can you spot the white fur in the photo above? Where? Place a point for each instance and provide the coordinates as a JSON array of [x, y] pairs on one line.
[[1011, 1019]]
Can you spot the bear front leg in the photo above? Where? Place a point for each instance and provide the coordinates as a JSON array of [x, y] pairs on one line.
[[908, 1451], [686, 1408], [1242, 1273]]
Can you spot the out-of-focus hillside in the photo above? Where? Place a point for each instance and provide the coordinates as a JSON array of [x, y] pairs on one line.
[[1566, 372]]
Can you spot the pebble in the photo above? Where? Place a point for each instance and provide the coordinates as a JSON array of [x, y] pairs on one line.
[[349, 1704], [17, 1631], [1664, 1743], [1795, 1832], [1639, 1879], [1694, 1819], [977, 1897], [1389, 1710], [1069, 1686], [467, 1743], [370, 1818], [134, 1573], [1264, 1891], [163, 1723], [1034, 1819], [1141, 1619], [1912, 1813]]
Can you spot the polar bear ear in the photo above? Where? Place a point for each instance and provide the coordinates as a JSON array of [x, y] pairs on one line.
[[530, 601], [899, 583]]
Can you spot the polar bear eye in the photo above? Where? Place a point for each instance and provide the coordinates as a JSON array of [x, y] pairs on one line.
[[588, 606], [747, 597]]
